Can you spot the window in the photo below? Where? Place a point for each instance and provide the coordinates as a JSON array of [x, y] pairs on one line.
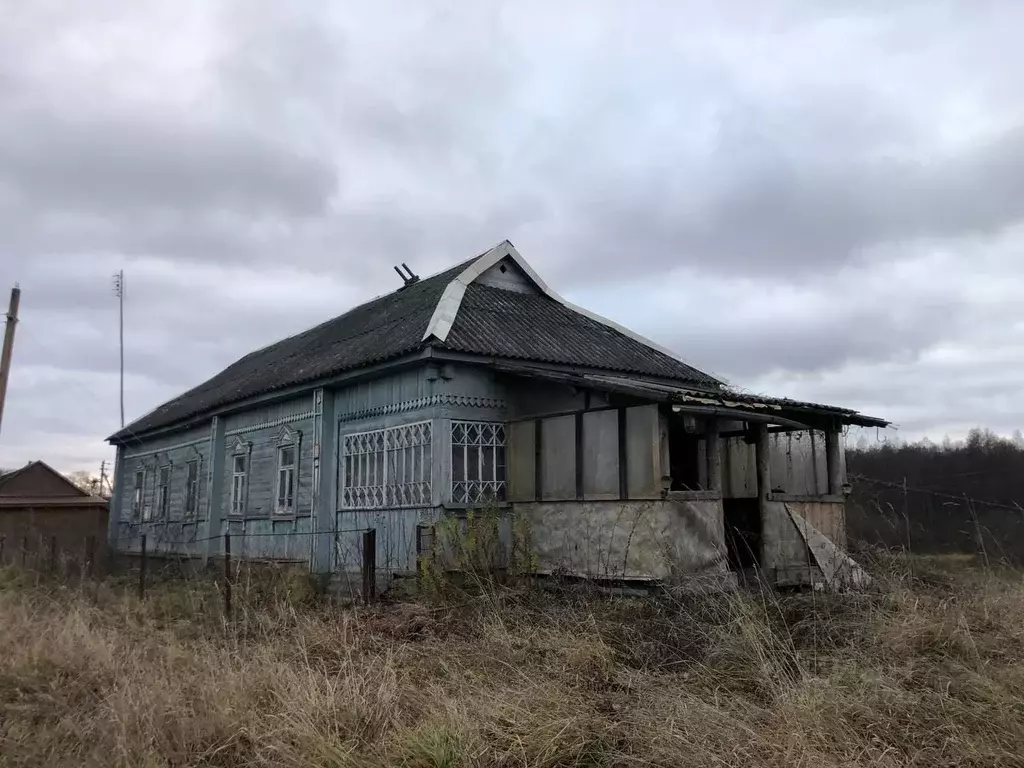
[[240, 451], [162, 496], [138, 493], [286, 480], [192, 487], [239, 474], [478, 462], [387, 467]]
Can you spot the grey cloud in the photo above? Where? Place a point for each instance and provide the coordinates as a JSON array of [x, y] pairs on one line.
[[775, 147], [123, 165], [816, 342], [773, 215]]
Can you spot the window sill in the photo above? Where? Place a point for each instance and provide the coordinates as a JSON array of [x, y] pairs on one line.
[[477, 507], [281, 517], [694, 495], [406, 507], [825, 497], [165, 521]]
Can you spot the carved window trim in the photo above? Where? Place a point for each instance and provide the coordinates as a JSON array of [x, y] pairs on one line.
[[238, 498], [387, 468], [193, 495], [163, 490], [479, 462], [139, 492], [288, 440]]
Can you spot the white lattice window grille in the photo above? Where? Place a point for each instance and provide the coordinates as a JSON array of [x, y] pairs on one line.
[[478, 462], [163, 495], [387, 467]]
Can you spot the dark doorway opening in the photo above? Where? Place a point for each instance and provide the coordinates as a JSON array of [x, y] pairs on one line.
[[742, 532], [684, 452]]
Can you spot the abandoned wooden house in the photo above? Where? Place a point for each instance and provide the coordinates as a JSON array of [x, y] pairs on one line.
[[480, 386]]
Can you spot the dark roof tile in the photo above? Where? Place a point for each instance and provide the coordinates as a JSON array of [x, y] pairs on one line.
[[490, 321], [381, 329], [533, 327]]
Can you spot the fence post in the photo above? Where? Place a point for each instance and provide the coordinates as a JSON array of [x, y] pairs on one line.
[[369, 565], [24, 551], [142, 570], [53, 554], [2, 539], [227, 574], [90, 554]]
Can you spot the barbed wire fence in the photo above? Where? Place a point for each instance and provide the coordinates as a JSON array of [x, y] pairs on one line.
[[880, 514], [898, 515]]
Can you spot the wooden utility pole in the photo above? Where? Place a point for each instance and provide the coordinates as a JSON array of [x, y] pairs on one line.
[[8, 348]]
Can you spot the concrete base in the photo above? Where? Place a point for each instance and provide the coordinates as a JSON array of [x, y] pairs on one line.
[[665, 540]]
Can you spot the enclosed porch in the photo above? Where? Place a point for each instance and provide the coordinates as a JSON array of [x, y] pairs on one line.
[[649, 482]]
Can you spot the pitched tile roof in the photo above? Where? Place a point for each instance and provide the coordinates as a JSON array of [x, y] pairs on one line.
[[383, 328], [487, 321], [535, 327]]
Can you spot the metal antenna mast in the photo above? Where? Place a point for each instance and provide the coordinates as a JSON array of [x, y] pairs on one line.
[[119, 292]]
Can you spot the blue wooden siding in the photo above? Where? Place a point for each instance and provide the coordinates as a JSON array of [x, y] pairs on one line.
[[396, 538], [262, 477], [270, 538], [174, 451], [430, 392]]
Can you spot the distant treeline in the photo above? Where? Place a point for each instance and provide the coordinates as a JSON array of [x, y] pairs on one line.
[[960, 497]]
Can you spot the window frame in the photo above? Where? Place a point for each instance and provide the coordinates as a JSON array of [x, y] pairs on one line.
[[163, 491], [238, 503], [393, 467], [490, 484], [288, 439], [193, 489], [139, 494]]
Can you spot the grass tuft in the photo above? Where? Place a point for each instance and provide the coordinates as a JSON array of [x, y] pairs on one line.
[[927, 669]]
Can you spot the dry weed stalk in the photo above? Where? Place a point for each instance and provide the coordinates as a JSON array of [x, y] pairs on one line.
[[926, 670]]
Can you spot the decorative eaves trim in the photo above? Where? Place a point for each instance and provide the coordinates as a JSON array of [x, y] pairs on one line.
[[271, 423], [165, 449], [467, 401]]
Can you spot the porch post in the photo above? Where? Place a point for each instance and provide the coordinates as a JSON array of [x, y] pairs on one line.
[[833, 463], [713, 453], [764, 479]]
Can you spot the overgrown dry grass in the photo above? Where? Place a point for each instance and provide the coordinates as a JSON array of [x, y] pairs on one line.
[[927, 671]]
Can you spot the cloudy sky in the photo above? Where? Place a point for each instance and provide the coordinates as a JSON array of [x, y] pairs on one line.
[[820, 200]]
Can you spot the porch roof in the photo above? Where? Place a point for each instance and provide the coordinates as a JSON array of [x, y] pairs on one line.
[[725, 402]]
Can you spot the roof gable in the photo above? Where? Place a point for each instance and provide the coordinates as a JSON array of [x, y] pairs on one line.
[[508, 276], [38, 479]]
